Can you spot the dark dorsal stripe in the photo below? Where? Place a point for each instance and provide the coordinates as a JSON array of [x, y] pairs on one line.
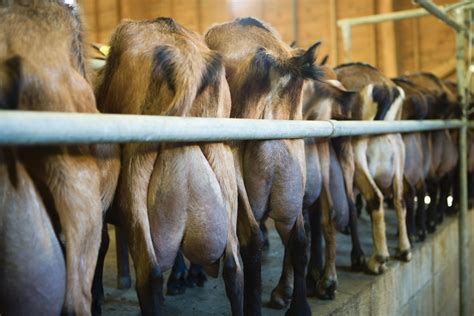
[[10, 92], [170, 23], [258, 81], [249, 21], [405, 81], [163, 66], [212, 72], [358, 64], [432, 77]]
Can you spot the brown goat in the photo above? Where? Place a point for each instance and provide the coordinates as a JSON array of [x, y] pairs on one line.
[[173, 194], [444, 154], [416, 106], [379, 160], [42, 44], [329, 172], [266, 77]]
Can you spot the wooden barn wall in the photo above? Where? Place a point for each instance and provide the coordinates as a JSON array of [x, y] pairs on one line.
[[395, 47]]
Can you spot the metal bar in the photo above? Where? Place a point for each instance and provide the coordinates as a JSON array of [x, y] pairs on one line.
[[462, 219], [394, 16], [440, 14], [333, 31], [347, 42], [346, 24], [361, 128], [385, 17], [27, 128]]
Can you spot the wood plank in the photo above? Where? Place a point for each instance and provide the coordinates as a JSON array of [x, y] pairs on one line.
[[387, 51]]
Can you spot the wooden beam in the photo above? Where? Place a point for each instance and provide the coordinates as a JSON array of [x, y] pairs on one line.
[[333, 31], [416, 43], [386, 38]]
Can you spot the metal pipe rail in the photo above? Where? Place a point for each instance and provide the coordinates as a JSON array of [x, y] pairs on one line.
[[398, 15], [440, 14], [41, 128], [347, 24]]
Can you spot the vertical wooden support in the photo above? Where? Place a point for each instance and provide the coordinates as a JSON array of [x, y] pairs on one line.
[[387, 48], [294, 21], [416, 44], [333, 31], [347, 42]]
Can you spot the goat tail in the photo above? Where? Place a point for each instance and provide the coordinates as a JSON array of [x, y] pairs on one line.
[[11, 78]]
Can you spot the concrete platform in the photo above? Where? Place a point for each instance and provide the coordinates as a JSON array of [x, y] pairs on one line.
[[428, 285]]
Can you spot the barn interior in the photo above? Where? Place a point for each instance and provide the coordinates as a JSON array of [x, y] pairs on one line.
[[399, 38]]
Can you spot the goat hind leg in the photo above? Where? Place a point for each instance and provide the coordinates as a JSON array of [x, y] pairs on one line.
[[132, 204], [177, 280], [297, 244], [80, 213], [97, 285], [374, 198], [357, 254], [315, 264], [328, 282], [404, 249], [421, 212]]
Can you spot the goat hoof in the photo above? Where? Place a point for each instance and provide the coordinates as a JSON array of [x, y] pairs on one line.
[[374, 266], [176, 285], [403, 255], [196, 278], [421, 235], [440, 219], [358, 263], [124, 282], [431, 227], [327, 289], [310, 285], [96, 307], [452, 211], [382, 258], [281, 297], [303, 310]]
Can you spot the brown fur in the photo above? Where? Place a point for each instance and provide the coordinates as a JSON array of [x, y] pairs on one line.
[[443, 154], [383, 172], [266, 76], [415, 106], [329, 174], [173, 194], [32, 264], [76, 183]]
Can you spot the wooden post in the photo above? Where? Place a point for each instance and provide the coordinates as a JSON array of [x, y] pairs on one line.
[[333, 31], [387, 48]]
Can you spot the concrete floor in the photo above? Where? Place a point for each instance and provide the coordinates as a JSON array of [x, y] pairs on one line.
[[211, 300]]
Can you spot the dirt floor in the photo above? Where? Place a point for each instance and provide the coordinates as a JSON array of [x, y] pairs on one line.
[[211, 299]]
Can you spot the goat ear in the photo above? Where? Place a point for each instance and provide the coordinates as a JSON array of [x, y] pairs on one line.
[[324, 60], [306, 63], [293, 44], [10, 83], [309, 56]]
